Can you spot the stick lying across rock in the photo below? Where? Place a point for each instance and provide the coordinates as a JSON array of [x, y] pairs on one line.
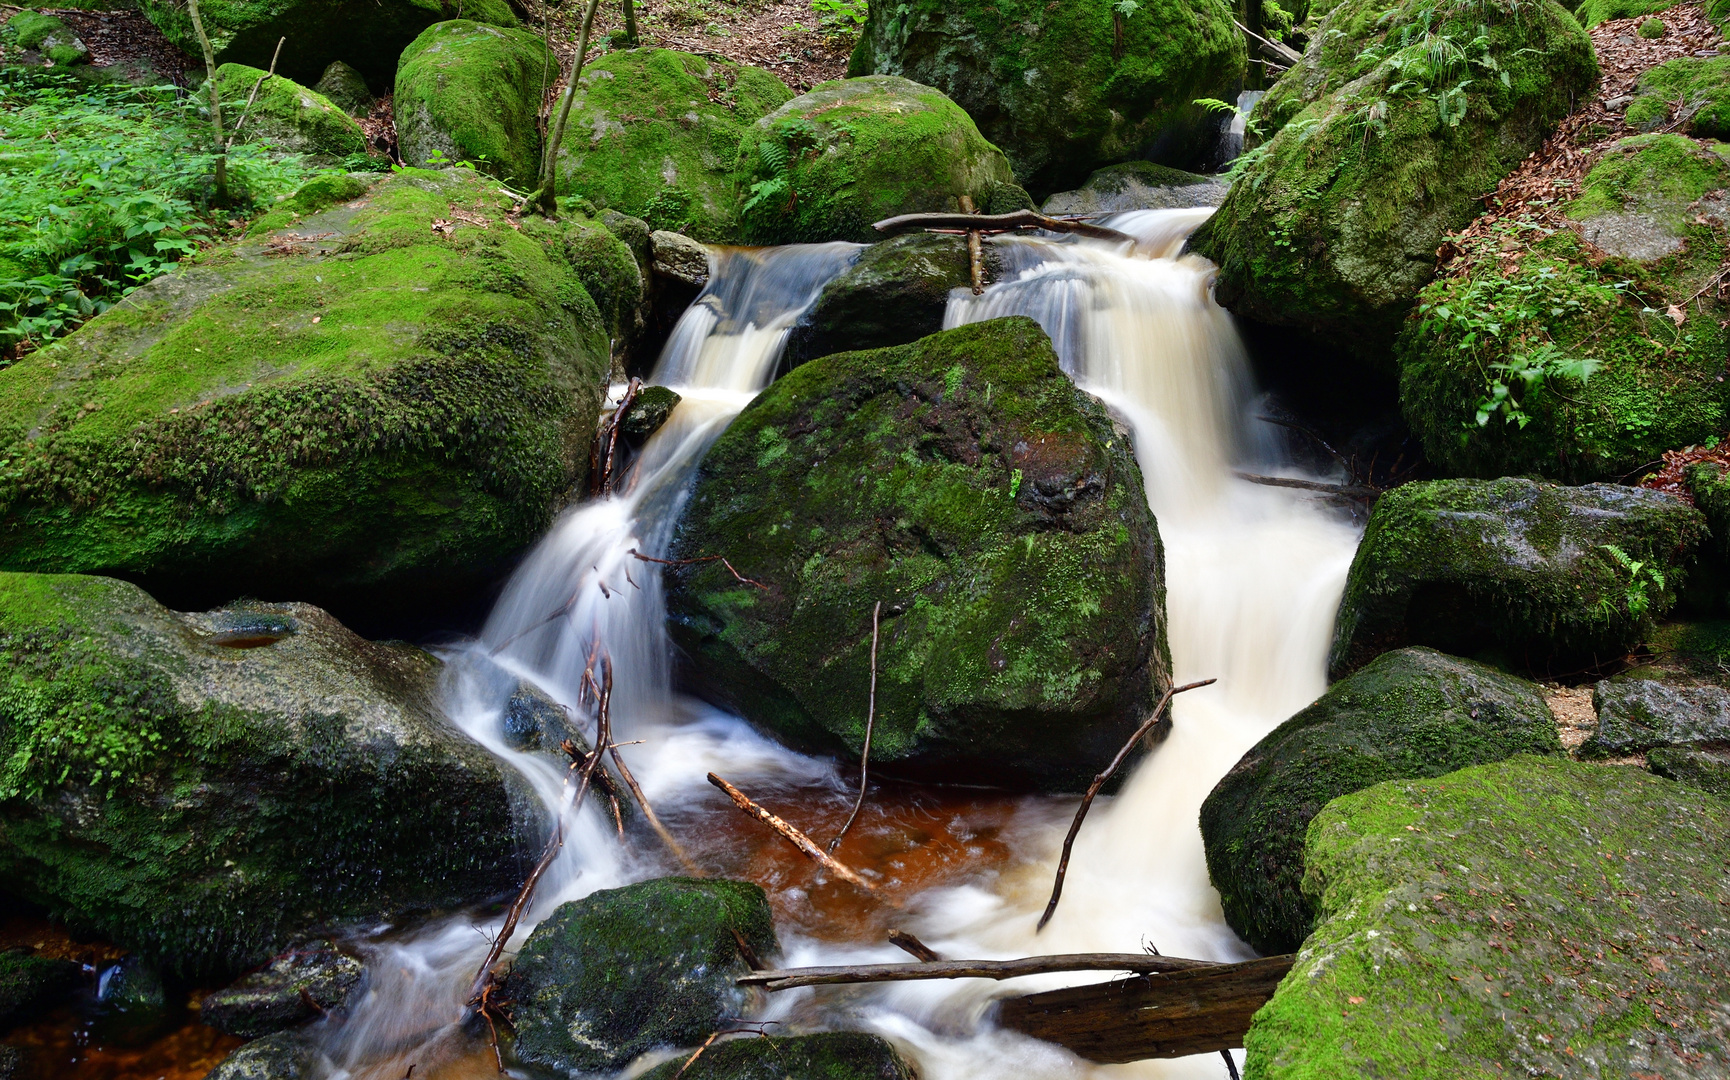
[[999, 223], [1137, 963]]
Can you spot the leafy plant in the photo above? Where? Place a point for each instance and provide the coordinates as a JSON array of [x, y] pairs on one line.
[[1642, 577], [840, 18], [1126, 8]]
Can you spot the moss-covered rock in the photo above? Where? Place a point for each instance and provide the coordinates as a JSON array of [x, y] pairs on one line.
[[654, 133], [287, 114], [345, 88], [647, 413], [199, 786], [1409, 714], [1704, 766], [309, 980], [40, 32], [320, 193], [623, 971], [1693, 91], [897, 292], [827, 164], [1065, 88], [30, 983], [283, 1056], [1333, 226], [1637, 715], [368, 35], [1539, 571], [390, 400], [965, 483], [1592, 12], [1137, 185], [1595, 351], [467, 91], [1531, 917], [834, 1055]]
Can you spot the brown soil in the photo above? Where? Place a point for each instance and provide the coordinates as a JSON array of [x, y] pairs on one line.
[[118, 36]]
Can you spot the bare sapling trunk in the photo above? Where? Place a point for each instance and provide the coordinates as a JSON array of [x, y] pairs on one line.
[[630, 9], [215, 102], [546, 200]]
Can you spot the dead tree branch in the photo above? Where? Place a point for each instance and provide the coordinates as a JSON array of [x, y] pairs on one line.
[[1136, 963], [911, 945], [793, 836], [252, 97], [740, 578], [649, 815], [870, 720], [975, 249], [1343, 491], [603, 458], [1099, 782], [999, 223], [1282, 53]]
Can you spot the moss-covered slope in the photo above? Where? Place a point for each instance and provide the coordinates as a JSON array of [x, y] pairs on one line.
[[1532, 917], [655, 133], [394, 395], [992, 508], [1690, 92], [466, 91], [1065, 88], [287, 114]]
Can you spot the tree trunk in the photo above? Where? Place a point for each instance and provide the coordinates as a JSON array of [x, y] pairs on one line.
[[546, 199], [215, 102]]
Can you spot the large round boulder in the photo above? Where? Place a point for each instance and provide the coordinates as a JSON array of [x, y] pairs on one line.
[[470, 92], [829, 163], [994, 511], [286, 114], [1519, 918], [1534, 570], [623, 971], [1412, 713], [1597, 348], [381, 404], [1065, 88], [199, 787], [654, 133], [1333, 225]]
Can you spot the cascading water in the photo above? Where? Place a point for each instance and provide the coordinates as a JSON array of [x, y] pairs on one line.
[[1253, 574]]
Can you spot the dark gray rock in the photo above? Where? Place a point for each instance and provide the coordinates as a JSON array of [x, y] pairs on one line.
[[1137, 185], [283, 1056], [835, 1055], [1636, 715], [302, 984], [344, 87], [647, 413], [1704, 765], [30, 983], [679, 258]]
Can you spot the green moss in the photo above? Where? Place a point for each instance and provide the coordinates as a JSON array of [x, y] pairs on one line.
[[1409, 714], [1655, 385], [1333, 225], [623, 971], [1531, 917], [1467, 565], [286, 113], [834, 1055], [1592, 12], [829, 163], [30, 983], [320, 193], [966, 483], [46, 34], [412, 406], [1066, 88], [654, 134], [1698, 88], [1704, 768], [466, 91]]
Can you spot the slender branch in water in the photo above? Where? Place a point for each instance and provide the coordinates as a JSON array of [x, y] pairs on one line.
[[911, 945], [792, 835], [1314, 437], [604, 455], [1230, 1065], [1344, 491], [740, 578], [649, 815], [870, 720], [1136, 963], [997, 223], [706, 1044], [1099, 782]]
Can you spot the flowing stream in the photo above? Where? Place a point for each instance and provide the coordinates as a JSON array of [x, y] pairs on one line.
[[1254, 574]]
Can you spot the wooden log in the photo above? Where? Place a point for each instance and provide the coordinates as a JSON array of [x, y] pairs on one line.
[[910, 944], [975, 249], [793, 836], [1154, 1016], [996, 223], [1139, 963]]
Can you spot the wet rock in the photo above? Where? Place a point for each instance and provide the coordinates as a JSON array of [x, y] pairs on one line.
[[896, 293], [995, 511], [1705, 766], [1633, 363], [1137, 185], [1470, 925], [134, 1007], [634, 233], [356, 409], [1538, 570], [647, 413], [30, 983], [679, 259], [1065, 88], [307, 981], [344, 87], [835, 1055], [829, 163], [1636, 715], [202, 787], [469, 92], [283, 1056], [1410, 714], [45, 35], [289, 115], [623, 971], [654, 133]]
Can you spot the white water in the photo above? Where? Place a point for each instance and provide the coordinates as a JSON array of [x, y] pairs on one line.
[[1253, 574]]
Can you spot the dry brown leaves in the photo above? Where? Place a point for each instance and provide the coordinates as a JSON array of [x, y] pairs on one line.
[[1673, 477], [379, 126], [117, 36]]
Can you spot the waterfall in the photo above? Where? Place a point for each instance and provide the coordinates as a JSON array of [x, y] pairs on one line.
[[1253, 573]]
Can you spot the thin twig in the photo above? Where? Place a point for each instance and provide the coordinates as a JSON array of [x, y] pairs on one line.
[[1135, 963], [740, 578], [911, 945], [649, 815], [870, 720], [997, 223], [695, 1056], [252, 97], [793, 836], [607, 443], [1230, 1065], [1099, 782]]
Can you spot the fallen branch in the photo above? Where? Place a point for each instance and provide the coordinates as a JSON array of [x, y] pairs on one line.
[[870, 720], [649, 815], [1099, 782], [1281, 52], [1344, 491], [999, 223], [252, 97], [740, 578], [792, 835], [706, 1044], [911, 945], [1136, 963], [601, 458]]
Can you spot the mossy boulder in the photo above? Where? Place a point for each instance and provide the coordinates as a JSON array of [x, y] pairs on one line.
[[320, 193], [286, 114], [30, 983], [1137, 185], [833, 1055], [368, 35], [623, 971], [345, 88], [470, 92], [197, 787], [1412, 713], [1592, 12], [1692, 91], [1703, 766], [829, 163], [654, 133], [1595, 351], [286, 1055], [40, 32], [650, 409], [995, 512], [895, 293], [308, 980], [1636, 715], [1530, 917], [387, 402], [1066, 88], [1333, 227], [1534, 570]]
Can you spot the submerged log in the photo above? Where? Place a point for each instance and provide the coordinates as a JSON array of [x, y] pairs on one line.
[[1197, 1011], [998, 223]]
